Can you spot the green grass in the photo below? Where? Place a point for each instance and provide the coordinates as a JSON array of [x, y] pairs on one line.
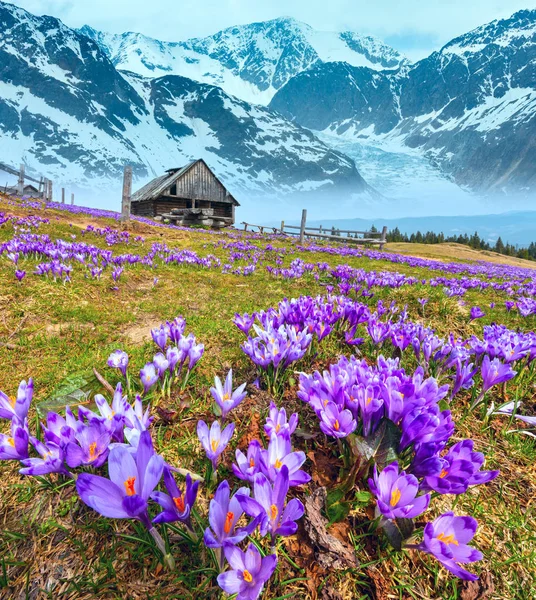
[[53, 546]]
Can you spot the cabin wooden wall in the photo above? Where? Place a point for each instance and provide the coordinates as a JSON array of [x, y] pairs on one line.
[[199, 183], [144, 208], [222, 209]]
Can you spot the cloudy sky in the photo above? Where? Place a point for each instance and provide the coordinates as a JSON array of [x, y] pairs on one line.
[[415, 27]]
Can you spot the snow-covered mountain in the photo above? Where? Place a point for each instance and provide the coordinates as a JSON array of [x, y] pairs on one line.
[[470, 107], [249, 61], [68, 113]]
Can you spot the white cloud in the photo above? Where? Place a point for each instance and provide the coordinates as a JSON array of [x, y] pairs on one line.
[[419, 26]]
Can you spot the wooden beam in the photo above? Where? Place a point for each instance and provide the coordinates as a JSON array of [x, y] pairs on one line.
[[72, 199], [127, 194], [63, 195], [383, 239], [302, 226], [282, 227], [21, 181]]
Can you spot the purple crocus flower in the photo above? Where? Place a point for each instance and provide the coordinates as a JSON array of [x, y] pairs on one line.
[[494, 372], [132, 481], [119, 360], [15, 445], [276, 518], [60, 430], [447, 538], [249, 572], [335, 422], [279, 454], [224, 396], [244, 322], [20, 275], [247, 467], [148, 377], [160, 337], [161, 364], [224, 513], [51, 461], [214, 441], [476, 313], [276, 422], [194, 355], [19, 406], [396, 493], [92, 448], [173, 356], [460, 468], [177, 506]]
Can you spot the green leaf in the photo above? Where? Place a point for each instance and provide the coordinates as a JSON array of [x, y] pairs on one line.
[[336, 508], [363, 497], [380, 447], [74, 390], [444, 405], [398, 531]]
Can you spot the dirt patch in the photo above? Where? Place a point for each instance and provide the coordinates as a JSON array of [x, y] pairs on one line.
[[57, 329], [140, 332]]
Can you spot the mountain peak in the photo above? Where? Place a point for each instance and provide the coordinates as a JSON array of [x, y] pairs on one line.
[[250, 61]]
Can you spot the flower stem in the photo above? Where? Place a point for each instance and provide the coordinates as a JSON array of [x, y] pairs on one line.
[[169, 561]]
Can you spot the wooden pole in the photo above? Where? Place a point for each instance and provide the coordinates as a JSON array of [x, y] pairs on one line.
[[44, 189], [302, 226], [282, 227], [50, 191], [127, 194], [63, 195], [383, 237], [72, 199], [21, 181]]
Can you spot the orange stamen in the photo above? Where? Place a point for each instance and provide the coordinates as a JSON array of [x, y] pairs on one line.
[[448, 539], [443, 473], [251, 462], [228, 522], [395, 497], [247, 576], [179, 503], [11, 442], [274, 512], [92, 451], [129, 486], [278, 464], [214, 445], [336, 425]]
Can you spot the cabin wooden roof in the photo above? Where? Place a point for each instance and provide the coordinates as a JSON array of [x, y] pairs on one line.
[[156, 187]]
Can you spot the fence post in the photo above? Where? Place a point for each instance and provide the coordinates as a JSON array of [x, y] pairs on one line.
[[383, 237], [72, 199], [302, 226], [282, 227], [63, 195], [127, 192], [21, 181], [50, 193]]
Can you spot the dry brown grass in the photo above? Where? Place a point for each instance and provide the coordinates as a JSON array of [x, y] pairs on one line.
[[454, 252]]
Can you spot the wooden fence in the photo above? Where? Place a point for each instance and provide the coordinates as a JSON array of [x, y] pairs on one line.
[[45, 187], [331, 234]]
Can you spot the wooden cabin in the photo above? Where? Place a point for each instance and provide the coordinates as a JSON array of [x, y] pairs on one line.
[[30, 191], [194, 186]]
